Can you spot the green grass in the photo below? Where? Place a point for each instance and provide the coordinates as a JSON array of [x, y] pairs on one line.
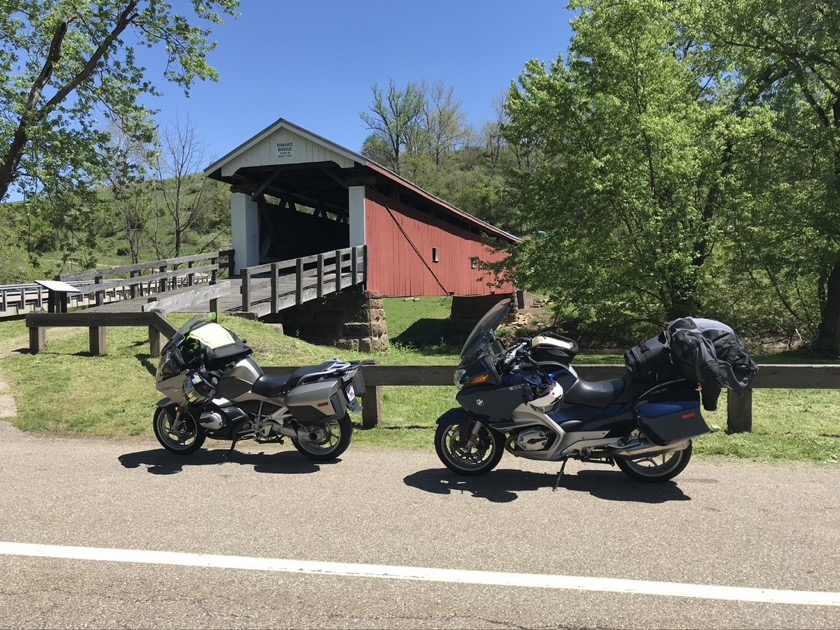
[[65, 390]]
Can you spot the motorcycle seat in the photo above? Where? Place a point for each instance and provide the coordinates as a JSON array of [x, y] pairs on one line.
[[273, 386], [602, 394]]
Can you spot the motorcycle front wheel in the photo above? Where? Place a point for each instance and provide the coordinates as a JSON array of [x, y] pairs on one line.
[[655, 468], [326, 441], [183, 436], [468, 457]]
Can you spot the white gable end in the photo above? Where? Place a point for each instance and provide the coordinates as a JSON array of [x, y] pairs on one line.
[[284, 146]]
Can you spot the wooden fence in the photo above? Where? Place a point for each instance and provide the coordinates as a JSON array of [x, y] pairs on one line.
[[97, 286], [132, 281], [738, 408], [298, 280]]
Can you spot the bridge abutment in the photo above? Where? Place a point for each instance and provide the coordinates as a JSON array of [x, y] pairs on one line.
[[350, 320]]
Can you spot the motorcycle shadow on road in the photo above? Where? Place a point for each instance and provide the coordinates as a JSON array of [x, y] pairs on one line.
[[161, 462], [504, 486]]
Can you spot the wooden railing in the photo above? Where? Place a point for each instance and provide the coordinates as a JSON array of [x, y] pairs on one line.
[[167, 275], [95, 289], [298, 280], [16, 299], [738, 408]]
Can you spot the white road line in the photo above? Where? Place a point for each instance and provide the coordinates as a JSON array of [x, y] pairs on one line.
[[527, 580]]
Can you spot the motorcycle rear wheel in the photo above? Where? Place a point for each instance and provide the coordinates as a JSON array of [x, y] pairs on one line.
[[656, 468], [328, 440], [184, 439], [468, 459]]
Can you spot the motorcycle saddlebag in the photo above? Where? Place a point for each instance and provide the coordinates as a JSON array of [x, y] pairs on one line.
[[671, 420], [317, 402]]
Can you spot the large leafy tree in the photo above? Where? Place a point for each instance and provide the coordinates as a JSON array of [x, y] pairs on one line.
[[68, 65], [626, 147], [785, 52]]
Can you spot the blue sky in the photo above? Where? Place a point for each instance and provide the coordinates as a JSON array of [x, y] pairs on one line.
[[313, 62]]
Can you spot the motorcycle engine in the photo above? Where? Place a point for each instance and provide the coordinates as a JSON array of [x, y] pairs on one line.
[[219, 417], [532, 440]]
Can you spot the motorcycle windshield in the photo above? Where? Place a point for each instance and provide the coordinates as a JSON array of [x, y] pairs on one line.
[[172, 360], [483, 335]]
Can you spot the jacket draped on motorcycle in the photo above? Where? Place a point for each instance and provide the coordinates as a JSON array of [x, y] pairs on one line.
[[704, 351]]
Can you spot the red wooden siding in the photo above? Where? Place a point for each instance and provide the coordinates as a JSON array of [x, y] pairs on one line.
[[399, 236]]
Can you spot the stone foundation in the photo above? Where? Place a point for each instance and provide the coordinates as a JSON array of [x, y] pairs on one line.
[[350, 320]]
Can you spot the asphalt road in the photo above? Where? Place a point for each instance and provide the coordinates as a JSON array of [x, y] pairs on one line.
[[718, 524]]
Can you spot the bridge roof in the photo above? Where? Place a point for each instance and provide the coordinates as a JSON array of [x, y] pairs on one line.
[[289, 162]]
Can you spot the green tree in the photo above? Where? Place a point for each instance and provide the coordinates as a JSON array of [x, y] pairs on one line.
[[785, 53], [622, 151], [67, 65]]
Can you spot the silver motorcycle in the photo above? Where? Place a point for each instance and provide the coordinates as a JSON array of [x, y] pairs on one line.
[[215, 389]]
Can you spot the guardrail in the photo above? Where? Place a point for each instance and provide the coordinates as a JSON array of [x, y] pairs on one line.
[[298, 280], [738, 408]]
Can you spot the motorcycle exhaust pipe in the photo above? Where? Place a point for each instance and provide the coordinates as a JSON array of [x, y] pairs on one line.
[[648, 448]]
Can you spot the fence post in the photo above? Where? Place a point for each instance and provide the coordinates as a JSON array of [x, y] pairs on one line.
[[162, 283], [214, 274], [100, 295], [246, 290], [337, 270], [98, 341], [37, 340], [372, 405], [154, 342], [365, 266], [739, 412], [274, 288], [299, 282], [354, 265], [320, 277], [134, 287]]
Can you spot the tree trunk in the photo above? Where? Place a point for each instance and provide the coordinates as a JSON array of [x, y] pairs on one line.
[[828, 337]]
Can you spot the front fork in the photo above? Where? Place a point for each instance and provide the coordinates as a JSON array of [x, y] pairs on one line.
[[469, 440]]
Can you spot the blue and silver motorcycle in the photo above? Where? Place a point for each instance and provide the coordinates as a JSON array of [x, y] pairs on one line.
[[530, 401]]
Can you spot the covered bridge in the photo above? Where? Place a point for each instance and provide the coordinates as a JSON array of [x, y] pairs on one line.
[[297, 194]]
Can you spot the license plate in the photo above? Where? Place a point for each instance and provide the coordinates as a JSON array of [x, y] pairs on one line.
[[351, 393]]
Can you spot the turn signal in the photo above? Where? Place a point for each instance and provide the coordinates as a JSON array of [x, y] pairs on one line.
[[481, 378]]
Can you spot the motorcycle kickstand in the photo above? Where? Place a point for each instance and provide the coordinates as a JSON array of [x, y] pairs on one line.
[[230, 450], [560, 474]]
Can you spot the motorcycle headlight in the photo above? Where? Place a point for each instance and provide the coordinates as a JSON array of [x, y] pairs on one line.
[[459, 375]]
